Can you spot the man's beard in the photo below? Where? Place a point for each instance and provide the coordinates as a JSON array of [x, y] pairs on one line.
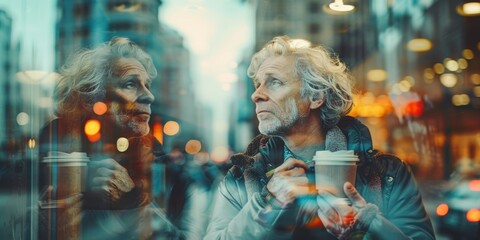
[[126, 125], [276, 127]]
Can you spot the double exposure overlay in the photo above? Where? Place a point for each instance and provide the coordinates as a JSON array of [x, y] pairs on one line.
[[239, 119]]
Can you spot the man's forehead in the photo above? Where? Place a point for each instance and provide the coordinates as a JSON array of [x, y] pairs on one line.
[[127, 66], [275, 65]]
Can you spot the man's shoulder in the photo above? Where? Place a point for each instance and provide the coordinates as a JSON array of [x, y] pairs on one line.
[[390, 163]]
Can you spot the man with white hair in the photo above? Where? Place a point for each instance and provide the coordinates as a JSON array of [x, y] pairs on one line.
[[302, 95]]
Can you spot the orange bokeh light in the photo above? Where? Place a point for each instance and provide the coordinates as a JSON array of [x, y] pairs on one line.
[[442, 209], [157, 131], [473, 215], [193, 146], [171, 128], [99, 108], [92, 127], [94, 138], [475, 185]]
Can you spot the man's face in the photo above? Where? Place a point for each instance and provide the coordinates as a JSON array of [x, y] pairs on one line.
[[129, 97], [279, 105]]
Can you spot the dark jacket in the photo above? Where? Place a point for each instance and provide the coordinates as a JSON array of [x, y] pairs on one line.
[[382, 179]]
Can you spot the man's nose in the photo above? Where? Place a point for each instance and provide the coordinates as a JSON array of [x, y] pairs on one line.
[[259, 95], [146, 96]]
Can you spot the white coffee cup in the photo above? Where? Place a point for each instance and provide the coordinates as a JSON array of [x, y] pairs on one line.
[[333, 169]]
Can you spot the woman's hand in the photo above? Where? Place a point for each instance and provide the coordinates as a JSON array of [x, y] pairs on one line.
[[111, 178]]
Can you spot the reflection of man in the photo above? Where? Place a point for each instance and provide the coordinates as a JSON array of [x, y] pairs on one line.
[[110, 86], [301, 95]]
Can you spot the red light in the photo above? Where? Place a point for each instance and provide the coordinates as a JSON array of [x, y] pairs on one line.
[[475, 185], [94, 138], [473, 215], [442, 209], [414, 109]]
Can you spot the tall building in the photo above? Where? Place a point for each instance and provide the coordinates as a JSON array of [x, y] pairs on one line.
[[349, 35]]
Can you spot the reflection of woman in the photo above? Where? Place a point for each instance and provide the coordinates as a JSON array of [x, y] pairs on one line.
[[117, 75]]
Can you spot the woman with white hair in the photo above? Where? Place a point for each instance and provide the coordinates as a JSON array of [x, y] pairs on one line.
[[104, 106]]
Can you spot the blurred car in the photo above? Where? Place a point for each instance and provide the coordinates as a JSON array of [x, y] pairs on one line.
[[459, 213]]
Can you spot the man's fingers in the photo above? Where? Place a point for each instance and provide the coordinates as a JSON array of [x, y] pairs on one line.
[[326, 189], [295, 172], [290, 164], [109, 163], [74, 201], [104, 172], [353, 195]]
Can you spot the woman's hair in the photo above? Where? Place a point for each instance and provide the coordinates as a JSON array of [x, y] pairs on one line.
[[83, 77], [323, 76]]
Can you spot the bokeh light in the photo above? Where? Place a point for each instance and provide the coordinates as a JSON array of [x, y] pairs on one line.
[[94, 138], [475, 185], [429, 75], [32, 143], [460, 99], [122, 144], [473, 215], [377, 75], [419, 45], [438, 68], [193, 146], [219, 154], [23, 118], [475, 78], [99, 108], [452, 65], [171, 128], [442, 209], [92, 127], [448, 80], [462, 63], [476, 91], [468, 54]]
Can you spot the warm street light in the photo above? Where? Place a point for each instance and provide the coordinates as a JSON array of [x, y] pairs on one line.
[[419, 45], [338, 5], [469, 9]]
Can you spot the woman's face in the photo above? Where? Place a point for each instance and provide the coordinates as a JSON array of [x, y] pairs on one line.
[[129, 98]]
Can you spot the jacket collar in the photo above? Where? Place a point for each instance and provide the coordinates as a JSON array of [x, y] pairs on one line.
[[358, 139]]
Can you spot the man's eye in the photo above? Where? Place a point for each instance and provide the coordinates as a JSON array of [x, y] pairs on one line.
[[275, 82], [129, 84]]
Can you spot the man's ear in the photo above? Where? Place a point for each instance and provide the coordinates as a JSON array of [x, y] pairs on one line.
[[316, 100]]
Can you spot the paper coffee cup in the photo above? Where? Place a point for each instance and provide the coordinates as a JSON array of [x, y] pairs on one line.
[[67, 176], [67, 172], [333, 169]]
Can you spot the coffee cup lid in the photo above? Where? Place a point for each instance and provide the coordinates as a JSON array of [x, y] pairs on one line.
[[342, 155], [55, 156]]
